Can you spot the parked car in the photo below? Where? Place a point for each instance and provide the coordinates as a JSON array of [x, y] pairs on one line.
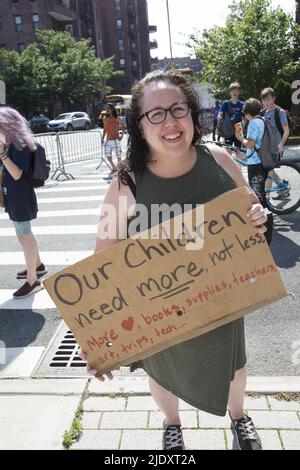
[[70, 122], [39, 124]]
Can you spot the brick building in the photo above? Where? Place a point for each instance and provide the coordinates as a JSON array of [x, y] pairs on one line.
[[20, 18], [125, 32], [116, 27]]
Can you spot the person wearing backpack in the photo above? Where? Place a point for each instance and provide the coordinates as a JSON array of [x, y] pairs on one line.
[[16, 146], [231, 113], [257, 173], [279, 120]]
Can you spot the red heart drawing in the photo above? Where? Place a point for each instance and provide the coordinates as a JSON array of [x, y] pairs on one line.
[[128, 324]]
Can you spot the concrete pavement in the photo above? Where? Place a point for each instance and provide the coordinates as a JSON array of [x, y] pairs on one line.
[[121, 415]]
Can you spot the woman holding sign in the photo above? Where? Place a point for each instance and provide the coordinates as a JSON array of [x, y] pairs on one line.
[[165, 164]]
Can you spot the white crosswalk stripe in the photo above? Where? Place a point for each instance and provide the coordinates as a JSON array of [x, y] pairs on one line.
[[59, 189], [40, 300], [62, 200], [50, 258], [78, 181], [62, 213], [53, 230]]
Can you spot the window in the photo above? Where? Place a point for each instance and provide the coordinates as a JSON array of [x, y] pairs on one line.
[[122, 63], [36, 21], [118, 4], [133, 45], [132, 27], [66, 3], [21, 46], [134, 63], [121, 45], [131, 9], [18, 23], [119, 24]]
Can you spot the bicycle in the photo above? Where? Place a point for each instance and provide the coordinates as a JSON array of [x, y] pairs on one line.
[[283, 197]]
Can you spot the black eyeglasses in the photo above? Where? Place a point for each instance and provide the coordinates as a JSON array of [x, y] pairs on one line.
[[158, 115]]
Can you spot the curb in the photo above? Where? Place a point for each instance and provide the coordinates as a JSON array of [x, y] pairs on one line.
[[139, 385]]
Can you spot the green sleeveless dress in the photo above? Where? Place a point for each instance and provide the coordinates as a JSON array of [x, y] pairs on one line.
[[199, 370]]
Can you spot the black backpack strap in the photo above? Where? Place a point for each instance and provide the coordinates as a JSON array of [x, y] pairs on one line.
[[229, 107], [278, 121], [131, 184]]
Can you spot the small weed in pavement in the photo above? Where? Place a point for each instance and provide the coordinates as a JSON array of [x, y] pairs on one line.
[[73, 435]]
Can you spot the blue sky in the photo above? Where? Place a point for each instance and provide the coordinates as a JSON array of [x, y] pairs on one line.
[[187, 15]]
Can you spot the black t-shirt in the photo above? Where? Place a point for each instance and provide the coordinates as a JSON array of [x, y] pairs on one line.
[[20, 198]]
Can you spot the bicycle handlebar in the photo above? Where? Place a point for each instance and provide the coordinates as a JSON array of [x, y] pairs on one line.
[[223, 144]]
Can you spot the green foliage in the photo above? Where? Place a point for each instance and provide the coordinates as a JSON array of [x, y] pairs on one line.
[[55, 68], [75, 432], [256, 47], [283, 92]]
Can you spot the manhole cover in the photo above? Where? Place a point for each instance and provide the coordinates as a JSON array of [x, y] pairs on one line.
[[61, 359]]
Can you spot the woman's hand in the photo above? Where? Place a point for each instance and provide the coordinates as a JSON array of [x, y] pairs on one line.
[[258, 216], [94, 372]]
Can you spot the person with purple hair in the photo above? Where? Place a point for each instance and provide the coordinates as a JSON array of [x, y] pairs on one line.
[[16, 145]]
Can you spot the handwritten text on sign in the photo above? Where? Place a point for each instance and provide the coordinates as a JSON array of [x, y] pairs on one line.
[[141, 296]]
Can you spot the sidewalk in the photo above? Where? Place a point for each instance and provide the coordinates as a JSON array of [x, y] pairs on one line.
[[35, 413]]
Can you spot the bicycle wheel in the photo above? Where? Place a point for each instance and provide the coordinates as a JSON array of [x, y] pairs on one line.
[[287, 199]]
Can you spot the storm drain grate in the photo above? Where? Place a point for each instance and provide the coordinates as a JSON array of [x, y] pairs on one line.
[[62, 359], [67, 353]]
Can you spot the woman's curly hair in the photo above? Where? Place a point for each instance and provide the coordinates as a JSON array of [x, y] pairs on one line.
[[137, 150]]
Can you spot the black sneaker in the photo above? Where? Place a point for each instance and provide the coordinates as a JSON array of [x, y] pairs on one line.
[[282, 195], [245, 436], [27, 290], [172, 438], [40, 271]]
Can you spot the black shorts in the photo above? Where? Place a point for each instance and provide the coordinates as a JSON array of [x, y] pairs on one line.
[[234, 142]]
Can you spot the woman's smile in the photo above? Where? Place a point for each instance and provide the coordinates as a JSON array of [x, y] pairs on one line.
[[172, 137]]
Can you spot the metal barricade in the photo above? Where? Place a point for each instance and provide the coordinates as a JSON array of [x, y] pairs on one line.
[[63, 148]]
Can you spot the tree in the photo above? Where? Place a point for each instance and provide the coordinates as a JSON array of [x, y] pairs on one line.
[[55, 69], [256, 47], [283, 93]]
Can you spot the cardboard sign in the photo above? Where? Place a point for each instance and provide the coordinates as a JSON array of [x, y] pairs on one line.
[[141, 295]]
